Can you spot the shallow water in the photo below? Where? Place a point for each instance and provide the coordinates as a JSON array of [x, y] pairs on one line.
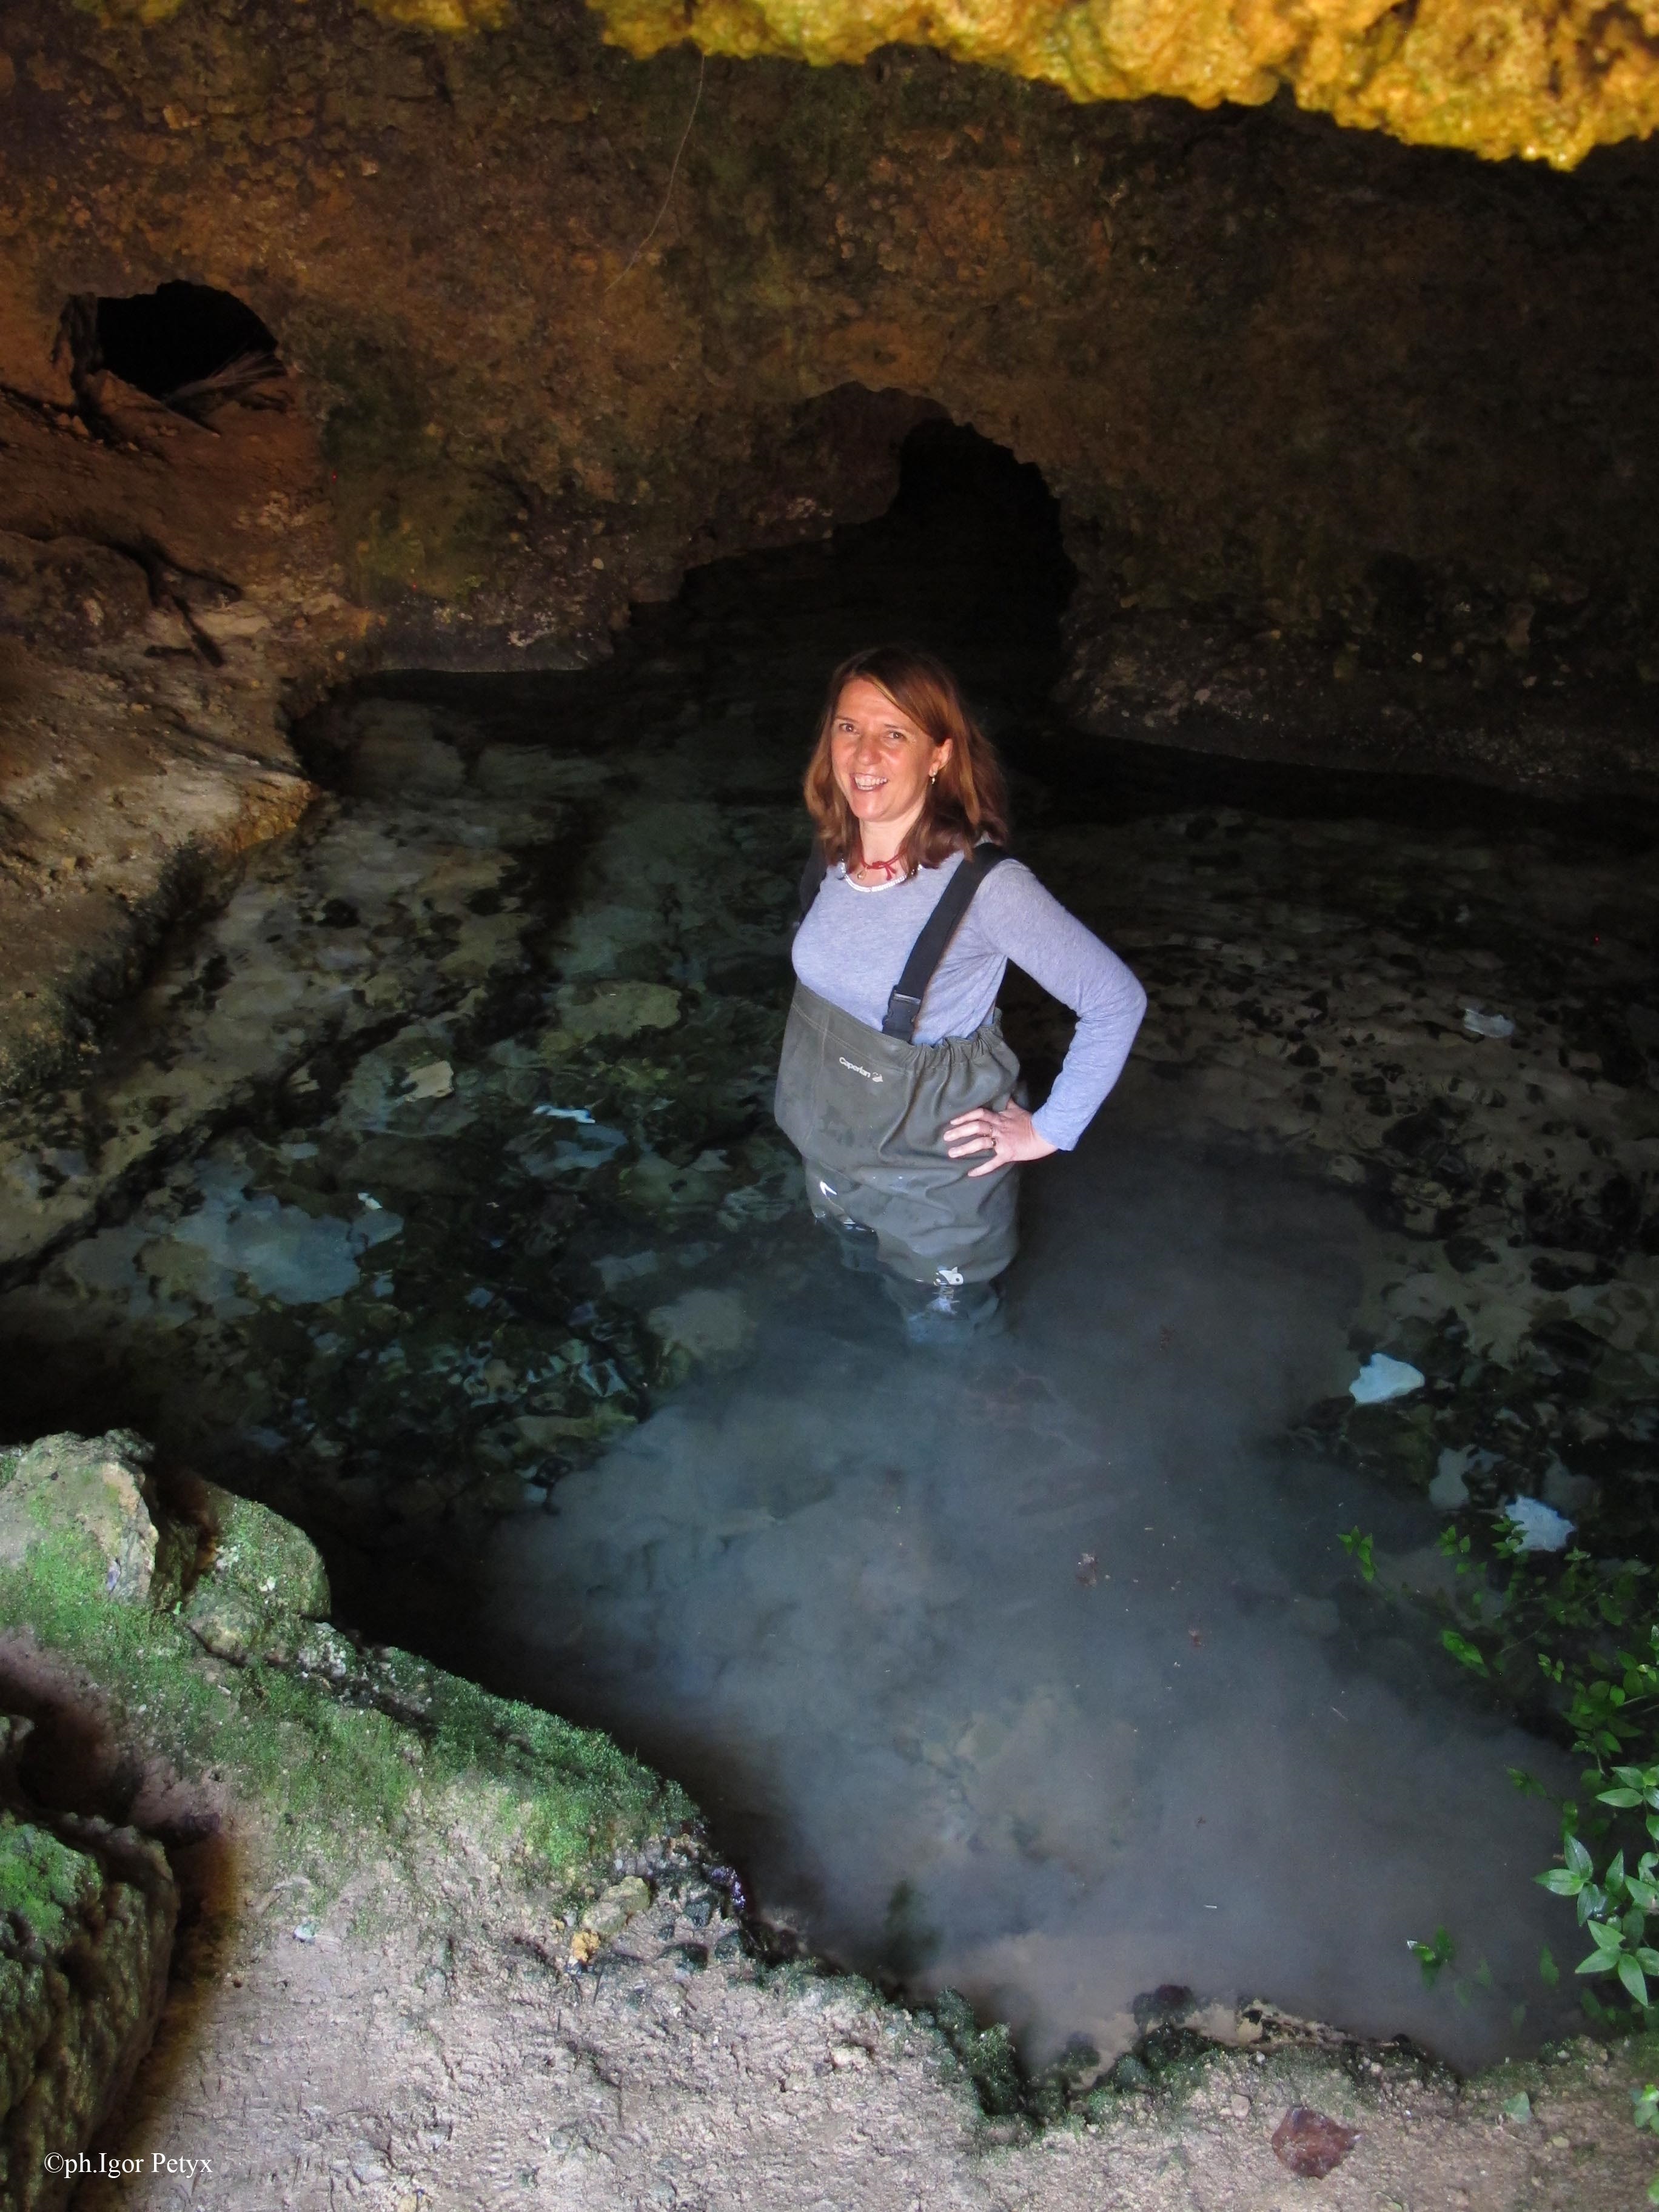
[[1038, 1671], [431, 1194]]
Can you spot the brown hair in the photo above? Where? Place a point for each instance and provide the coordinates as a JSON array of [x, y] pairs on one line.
[[969, 801]]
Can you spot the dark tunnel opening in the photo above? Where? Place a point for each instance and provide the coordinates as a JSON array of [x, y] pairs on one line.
[[969, 561], [989, 528], [188, 345]]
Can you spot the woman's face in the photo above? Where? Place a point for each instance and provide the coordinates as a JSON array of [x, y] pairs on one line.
[[881, 759]]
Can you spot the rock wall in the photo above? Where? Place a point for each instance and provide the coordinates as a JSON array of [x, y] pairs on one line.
[[87, 1916], [1256, 357]]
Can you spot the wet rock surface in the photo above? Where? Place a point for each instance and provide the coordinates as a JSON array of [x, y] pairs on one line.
[[476, 1074], [163, 585], [428, 1168]]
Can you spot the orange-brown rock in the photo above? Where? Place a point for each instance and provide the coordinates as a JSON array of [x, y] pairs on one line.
[[1496, 77]]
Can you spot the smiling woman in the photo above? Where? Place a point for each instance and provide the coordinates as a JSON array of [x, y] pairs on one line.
[[895, 1083]]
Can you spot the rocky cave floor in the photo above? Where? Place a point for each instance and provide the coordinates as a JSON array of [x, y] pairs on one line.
[[238, 1226], [426, 2047]]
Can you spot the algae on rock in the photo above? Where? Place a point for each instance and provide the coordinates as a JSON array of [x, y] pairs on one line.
[[321, 1752], [1546, 82], [86, 1916]]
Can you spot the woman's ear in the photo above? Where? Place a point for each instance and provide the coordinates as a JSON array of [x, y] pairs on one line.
[[941, 759]]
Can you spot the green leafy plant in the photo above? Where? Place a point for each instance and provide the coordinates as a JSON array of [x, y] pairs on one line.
[[1591, 1632], [1432, 1956], [1358, 1548], [1468, 1655]]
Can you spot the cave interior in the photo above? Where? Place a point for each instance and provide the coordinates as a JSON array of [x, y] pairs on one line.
[[437, 482]]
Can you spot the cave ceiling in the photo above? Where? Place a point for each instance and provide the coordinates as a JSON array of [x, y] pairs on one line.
[[562, 323], [1546, 80]]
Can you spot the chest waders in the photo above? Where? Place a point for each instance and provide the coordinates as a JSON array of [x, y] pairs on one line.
[[866, 1110]]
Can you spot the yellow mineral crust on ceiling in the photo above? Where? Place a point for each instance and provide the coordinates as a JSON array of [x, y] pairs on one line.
[[1544, 79]]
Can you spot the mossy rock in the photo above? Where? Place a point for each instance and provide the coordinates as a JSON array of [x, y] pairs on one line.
[[86, 1919], [97, 1492], [331, 1751], [263, 1579]]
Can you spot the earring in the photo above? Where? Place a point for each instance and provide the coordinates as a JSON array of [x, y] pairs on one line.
[[933, 777]]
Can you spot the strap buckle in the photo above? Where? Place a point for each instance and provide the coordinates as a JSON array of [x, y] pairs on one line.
[[900, 1019]]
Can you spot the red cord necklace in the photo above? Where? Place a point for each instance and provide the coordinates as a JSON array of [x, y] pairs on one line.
[[888, 868]]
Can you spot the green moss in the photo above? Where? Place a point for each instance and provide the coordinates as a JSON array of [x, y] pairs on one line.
[[42, 1880], [258, 1551], [336, 1779]]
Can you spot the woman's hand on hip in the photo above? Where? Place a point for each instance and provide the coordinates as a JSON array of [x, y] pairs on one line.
[[1009, 1137]]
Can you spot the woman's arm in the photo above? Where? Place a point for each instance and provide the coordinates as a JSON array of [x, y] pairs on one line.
[[1032, 929]]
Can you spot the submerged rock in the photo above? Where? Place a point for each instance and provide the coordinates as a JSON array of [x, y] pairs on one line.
[[708, 1324], [1382, 1378], [1539, 1526]]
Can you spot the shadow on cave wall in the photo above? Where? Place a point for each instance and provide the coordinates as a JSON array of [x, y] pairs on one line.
[[968, 560]]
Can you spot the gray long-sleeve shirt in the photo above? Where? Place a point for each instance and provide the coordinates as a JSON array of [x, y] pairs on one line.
[[852, 947]]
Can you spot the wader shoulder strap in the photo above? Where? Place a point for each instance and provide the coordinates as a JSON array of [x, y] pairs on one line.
[[812, 878], [904, 1002]]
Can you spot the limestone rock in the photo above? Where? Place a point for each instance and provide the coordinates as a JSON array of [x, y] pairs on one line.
[[1545, 82], [613, 1910], [86, 1917], [263, 1580], [92, 1488]]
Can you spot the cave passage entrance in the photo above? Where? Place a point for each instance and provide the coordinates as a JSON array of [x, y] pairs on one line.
[[188, 345], [968, 561]]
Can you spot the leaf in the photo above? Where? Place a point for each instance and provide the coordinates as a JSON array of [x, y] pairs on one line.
[[1606, 1937], [1548, 1972], [1576, 1855], [1560, 1882], [1431, 1957], [1634, 1980], [1518, 2107], [1467, 1654], [1626, 1798], [1528, 1784]]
